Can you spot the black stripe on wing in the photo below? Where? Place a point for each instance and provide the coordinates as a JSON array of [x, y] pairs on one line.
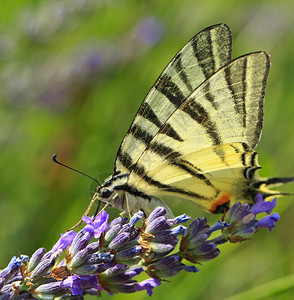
[[167, 87], [197, 112], [202, 52], [147, 112], [140, 134], [238, 88], [172, 189], [181, 71]]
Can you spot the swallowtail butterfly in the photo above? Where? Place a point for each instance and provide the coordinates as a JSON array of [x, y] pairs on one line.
[[195, 133]]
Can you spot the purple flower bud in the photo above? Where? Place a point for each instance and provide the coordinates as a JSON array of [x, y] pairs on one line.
[[165, 236], [191, 269], [36, 258], [2, 281], [97, 258], [93, 268], [167, 267], [126, 256], [102, 257], [119, 278], [80, 241], [194, 244], [12, 289], [133, 231], [119, 241], [119, 220], [156, 225], [218, 226], [52, 289], [196, 226], [42, 269], [93, 247], [156, 213], [243, 222], [79, 258], [112, 233], [135, 218]]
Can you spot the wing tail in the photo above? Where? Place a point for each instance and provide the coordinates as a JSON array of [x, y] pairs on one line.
[[264, 185]]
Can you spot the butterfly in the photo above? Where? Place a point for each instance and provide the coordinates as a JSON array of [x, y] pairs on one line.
[[194, 135]]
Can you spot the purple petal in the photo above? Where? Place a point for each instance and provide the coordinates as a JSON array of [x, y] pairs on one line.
[[261, 206], [182, 218], [13, 266], [97, 226], [268, 221], [78, 283], [76, 288], [87, 219], [101, 219], [64, 241], [148, 285], [100, 223], [192, 269], [179, 230], [218, 226]]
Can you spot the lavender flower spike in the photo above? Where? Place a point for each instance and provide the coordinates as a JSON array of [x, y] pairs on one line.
[[104, 257]]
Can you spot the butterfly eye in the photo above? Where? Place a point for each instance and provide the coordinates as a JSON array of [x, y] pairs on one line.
[[106, 193]]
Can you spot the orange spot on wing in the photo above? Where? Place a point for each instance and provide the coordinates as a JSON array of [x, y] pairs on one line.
[[223, 199]]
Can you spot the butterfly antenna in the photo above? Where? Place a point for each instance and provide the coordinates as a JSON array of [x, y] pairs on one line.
[[58, 162], [94, 198]]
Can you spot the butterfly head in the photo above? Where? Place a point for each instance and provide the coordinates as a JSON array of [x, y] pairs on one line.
[[110, 188], [104, 193]]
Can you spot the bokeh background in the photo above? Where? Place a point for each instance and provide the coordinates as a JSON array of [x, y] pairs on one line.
[[73, 74]]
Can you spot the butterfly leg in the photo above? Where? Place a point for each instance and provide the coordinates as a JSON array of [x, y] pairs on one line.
[[85, 213], [128, 206]]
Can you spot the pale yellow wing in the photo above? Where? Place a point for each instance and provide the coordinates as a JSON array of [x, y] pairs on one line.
[[202, 56], [205, 177]]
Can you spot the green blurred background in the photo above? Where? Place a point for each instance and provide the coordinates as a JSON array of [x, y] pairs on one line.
[[73, 74]]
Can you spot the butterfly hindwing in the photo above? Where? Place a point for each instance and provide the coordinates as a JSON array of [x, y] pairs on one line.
[[204, 176], [202, 56]]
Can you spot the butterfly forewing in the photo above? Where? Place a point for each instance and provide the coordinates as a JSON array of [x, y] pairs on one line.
[[226, 108], [201, 57]]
